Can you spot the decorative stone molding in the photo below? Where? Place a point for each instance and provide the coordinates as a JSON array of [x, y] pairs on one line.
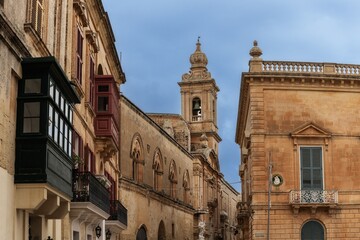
[[92, 37], [310, 130], [81, 9]]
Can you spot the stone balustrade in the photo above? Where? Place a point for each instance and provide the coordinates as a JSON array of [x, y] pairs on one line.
[[304, 67]]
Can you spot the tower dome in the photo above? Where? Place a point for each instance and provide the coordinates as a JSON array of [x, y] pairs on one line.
[[198, 59]]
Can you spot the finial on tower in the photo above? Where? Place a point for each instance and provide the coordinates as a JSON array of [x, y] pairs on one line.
[[255, 51], [198, 59]]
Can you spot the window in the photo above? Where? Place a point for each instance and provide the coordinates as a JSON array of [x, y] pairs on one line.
[[311, 168], [89, 160], [51, 124], [186, 185], [37, 15], [103, 88], [312, 230], [173, 230], [173, 179], [196, 109], [141, 234], [31, 117], [32, 85], [138, 159], [92, 83], [103, 104], [158, 171], [78, 151], [79, 54]]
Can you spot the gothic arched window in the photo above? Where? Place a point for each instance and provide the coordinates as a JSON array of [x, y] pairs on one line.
[[137, 156], [186, 185], [173, 179], [158, 170], [141, 233]]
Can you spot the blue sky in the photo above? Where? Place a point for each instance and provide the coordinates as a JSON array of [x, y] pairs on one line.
[[155, 39]]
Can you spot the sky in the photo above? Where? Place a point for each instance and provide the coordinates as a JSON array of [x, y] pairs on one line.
[[155, 38]]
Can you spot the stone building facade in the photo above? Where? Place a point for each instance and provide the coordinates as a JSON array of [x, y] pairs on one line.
[[170, 167], [59, 122], [80, 161], [299, 138]]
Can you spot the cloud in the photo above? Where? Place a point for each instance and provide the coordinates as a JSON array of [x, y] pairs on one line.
[[157, 37]]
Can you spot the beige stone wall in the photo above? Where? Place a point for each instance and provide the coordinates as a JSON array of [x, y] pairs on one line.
[[145, 205], [134, 121], [146, 208], [277, 111]]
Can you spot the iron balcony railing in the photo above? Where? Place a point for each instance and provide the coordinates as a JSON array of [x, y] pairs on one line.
[[118, 212], [314, 197], [86, 188]]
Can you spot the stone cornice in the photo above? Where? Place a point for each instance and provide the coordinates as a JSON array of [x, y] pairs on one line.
[[312, 81], [10, 35], [154, 124], [103, 25], [211, 83], [147, 191]]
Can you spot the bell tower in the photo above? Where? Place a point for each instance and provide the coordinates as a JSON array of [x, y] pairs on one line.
[[199, 100]]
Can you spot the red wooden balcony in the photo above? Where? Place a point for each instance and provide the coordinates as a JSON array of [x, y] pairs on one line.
[[107, 97]]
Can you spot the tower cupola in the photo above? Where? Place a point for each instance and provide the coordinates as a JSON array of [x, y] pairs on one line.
[[198, 59]]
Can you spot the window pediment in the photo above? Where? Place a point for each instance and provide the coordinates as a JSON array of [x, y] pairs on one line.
[[81, 8], [310, 133]]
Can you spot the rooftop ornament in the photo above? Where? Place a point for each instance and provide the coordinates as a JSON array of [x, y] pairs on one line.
[[255, 51]]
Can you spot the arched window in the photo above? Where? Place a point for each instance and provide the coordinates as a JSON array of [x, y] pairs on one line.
[[100, 70], [161, 231], [137, 156], [173, 179], [196, 109], [312, 230], [158, 169], [141, 233], [186, 185]]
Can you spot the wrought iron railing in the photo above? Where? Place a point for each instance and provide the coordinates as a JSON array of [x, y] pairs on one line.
[[86, 188], [314, 197], [118, 212]]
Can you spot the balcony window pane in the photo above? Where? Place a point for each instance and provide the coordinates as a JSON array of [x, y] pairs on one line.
[[32, 85], [103, 88], [70, 143], [50, 128], [31, 117], [103, 104], [62, 107], [61, 132], [66, 137], [57, 96], [70, 115], [51, 88], [56, 127], [66, 110]]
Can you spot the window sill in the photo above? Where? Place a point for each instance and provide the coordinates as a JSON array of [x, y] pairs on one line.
[[37, 40], [78, 88]]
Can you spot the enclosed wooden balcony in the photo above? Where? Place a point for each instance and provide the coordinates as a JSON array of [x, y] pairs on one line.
[[106, 122], [313, 199]]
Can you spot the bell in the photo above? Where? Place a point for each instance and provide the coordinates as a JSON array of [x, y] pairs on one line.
[[197, 106]]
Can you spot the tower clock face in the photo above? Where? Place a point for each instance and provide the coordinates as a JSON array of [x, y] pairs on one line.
[[277, 180]]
